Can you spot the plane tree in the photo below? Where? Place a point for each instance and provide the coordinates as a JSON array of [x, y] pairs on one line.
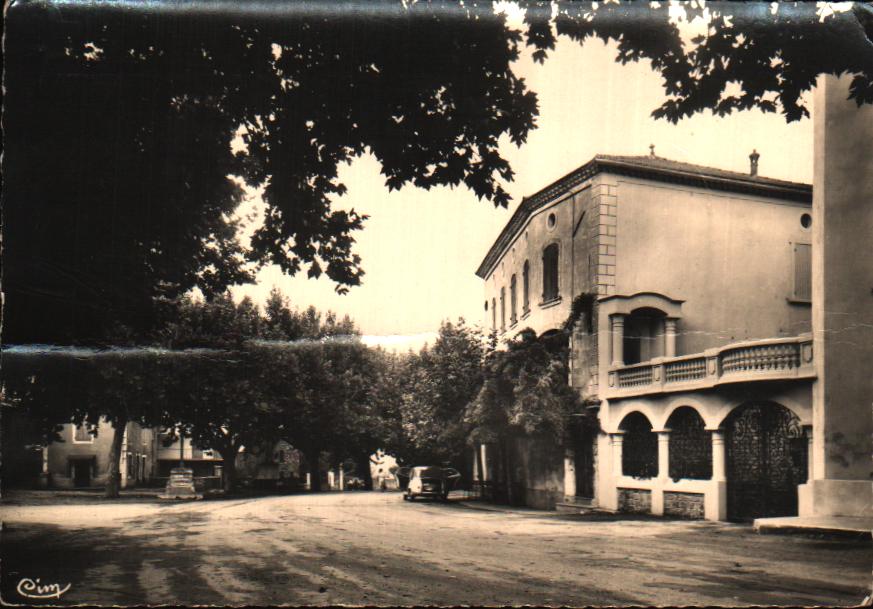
[[750, 55], [132, 132]]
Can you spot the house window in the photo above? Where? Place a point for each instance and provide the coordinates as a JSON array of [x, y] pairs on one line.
[[550, 272], [512, 307], [525, 288], [502, 309], [802, 272], [84, 434], [493, 314]]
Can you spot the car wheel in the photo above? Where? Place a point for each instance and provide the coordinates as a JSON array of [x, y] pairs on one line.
[[405, 497]]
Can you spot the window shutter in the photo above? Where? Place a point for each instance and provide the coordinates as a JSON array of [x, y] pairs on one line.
[[802, 271]]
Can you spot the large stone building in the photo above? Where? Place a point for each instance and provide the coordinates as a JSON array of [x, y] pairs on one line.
[[696, 350]]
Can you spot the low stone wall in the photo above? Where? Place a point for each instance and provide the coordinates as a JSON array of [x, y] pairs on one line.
[[684, 505], [634, 501]]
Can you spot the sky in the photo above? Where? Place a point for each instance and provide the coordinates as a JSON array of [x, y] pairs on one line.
[[420, 249]]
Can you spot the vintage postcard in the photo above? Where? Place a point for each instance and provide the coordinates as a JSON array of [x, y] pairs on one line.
[[436, 303]]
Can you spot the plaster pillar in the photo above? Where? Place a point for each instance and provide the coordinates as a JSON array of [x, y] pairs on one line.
[[715, 499], [617, 443], [664, 454], [342, 479], [45, 459], [842, 301], [569, 473], [617, 340], [719, 467], [663, 472], [670, 337], [810, 462]]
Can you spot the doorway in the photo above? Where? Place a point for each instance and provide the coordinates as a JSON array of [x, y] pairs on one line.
[[766, 461], [81, 472]]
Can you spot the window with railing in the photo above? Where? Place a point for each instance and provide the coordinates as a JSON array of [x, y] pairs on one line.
[[690, 446], [639, 455]]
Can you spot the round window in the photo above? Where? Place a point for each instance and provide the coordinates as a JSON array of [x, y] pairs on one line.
[[806, 220], [552, 220]]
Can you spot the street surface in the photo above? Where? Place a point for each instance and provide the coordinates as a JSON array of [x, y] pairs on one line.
[[375, 549]]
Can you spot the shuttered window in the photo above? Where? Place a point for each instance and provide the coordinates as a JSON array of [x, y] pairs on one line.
[[550, 273], [802, 272]]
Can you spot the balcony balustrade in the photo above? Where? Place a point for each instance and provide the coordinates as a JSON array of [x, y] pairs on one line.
[[770, 359]]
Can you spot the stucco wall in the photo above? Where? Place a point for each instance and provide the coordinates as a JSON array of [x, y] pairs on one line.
[[843, 290], [729, 257]]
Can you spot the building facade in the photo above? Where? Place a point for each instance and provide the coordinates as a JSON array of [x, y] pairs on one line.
[[694, 342], [81, 460]]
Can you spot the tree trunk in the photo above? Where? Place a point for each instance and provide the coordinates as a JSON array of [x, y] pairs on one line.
[[507, 471], [113, 482], [229, 466], [366, 474], [314, 470]]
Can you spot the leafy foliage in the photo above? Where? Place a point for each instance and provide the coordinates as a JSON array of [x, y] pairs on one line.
[[525, 391], [439, 383], [131, 129], [751, 56]]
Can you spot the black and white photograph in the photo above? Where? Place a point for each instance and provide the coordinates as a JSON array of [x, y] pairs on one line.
[[436, 303]]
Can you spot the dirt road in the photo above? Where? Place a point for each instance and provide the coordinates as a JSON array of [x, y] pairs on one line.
[[373, 548]]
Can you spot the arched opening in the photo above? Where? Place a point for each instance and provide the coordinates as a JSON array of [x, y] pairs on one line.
[[690, 446], [766, 451], [644, 335], [639, 454]]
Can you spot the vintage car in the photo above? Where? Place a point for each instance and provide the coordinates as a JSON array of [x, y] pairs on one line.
[[430, 481]]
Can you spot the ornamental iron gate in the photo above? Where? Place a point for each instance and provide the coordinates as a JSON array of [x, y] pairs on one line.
[[766, 460]]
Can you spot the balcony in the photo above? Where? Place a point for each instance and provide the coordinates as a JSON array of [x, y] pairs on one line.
[[773, 359]]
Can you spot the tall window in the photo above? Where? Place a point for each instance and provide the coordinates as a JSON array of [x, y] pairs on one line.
[[802, 272], [502, 308], [493, 314], [525, 288], [512, 291], [550, 272]]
